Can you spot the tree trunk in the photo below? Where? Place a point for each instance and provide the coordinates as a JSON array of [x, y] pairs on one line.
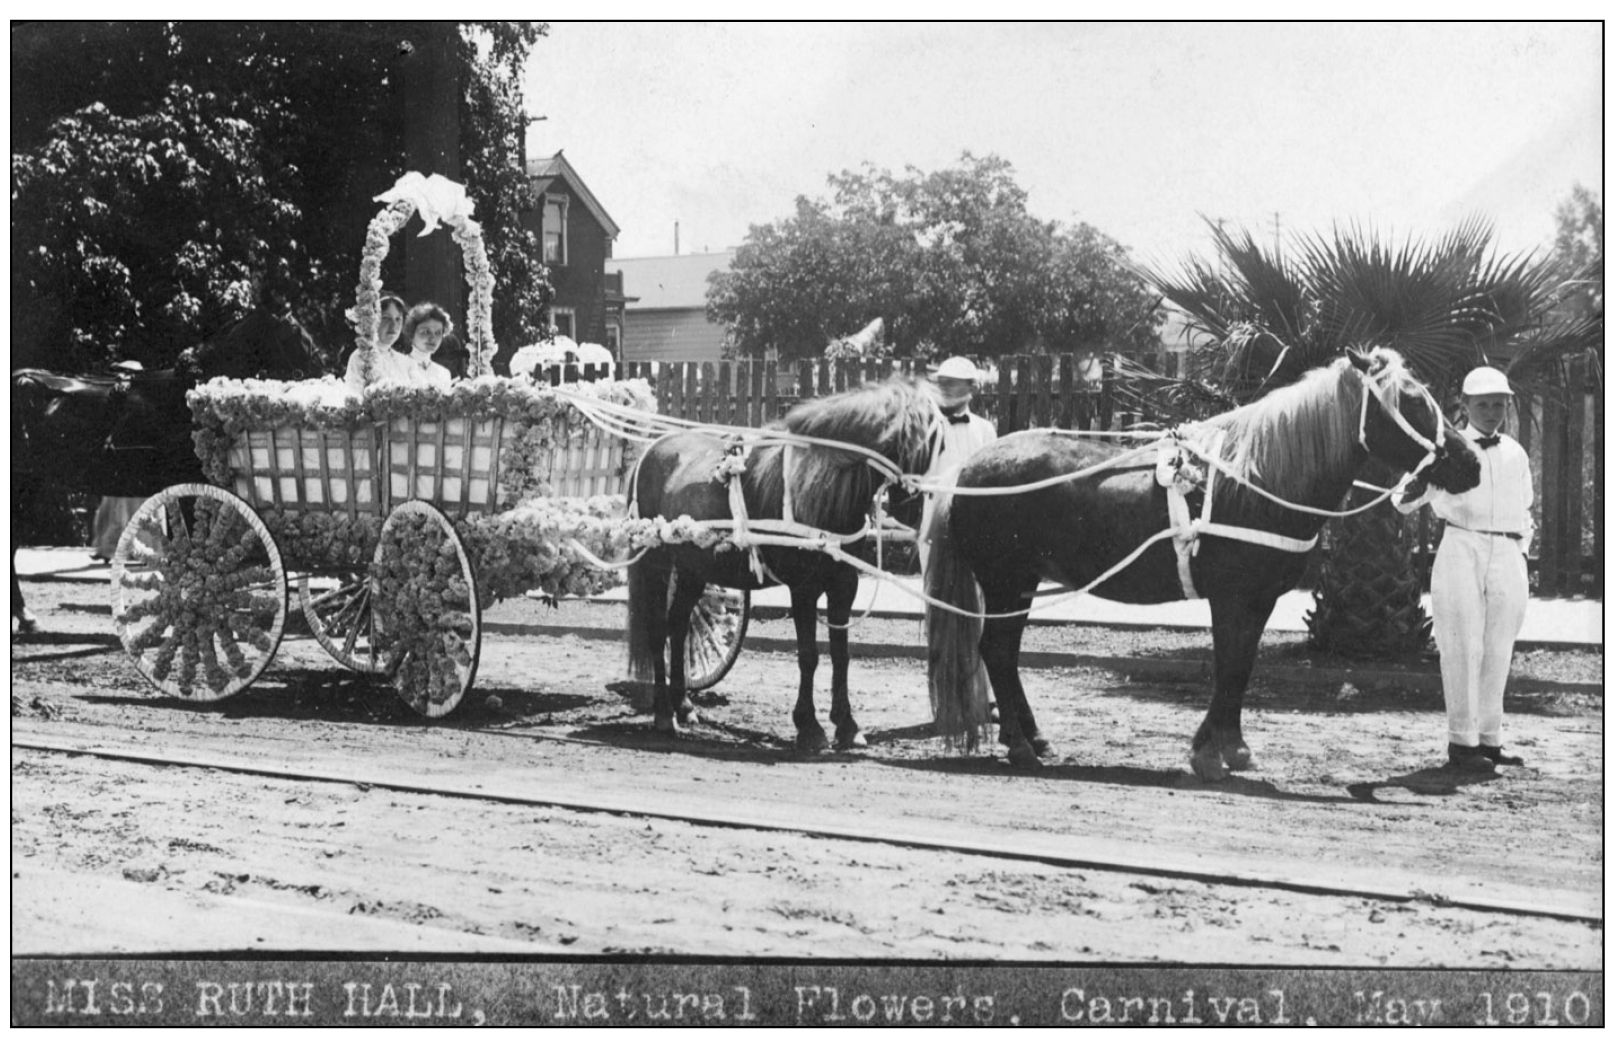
[[1366, 600], [431, 94]]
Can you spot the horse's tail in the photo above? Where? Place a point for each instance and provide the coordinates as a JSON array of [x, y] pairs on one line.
[[648, 588], [959, 691]]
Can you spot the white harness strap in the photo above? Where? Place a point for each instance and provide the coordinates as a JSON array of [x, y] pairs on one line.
[[1186, 531]]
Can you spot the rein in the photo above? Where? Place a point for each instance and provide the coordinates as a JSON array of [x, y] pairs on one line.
[[1185, 529]]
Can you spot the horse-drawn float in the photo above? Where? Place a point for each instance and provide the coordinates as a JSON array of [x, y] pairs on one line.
[[397, 514]]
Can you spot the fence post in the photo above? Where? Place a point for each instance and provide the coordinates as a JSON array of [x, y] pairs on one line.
[[727, 416], [1573, 487], [1067, 418], [1042, 372], [1004, 398], [1553, 436], [1105, 414], [689, 390], [1591, 383], [1021, 366]]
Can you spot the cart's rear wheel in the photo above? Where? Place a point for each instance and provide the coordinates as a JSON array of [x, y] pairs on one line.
[[425, 609], [719, 623], [199, 593], [338, 609]]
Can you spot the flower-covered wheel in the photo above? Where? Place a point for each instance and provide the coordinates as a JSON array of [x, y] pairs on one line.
[[338, 609], [719, 623], [199, 592], [425, 609]]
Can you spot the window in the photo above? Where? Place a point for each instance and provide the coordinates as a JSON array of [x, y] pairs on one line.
[[563, 319], [554, 230], [613, 339]]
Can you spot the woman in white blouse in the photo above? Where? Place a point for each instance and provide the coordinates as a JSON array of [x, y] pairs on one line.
[[423, 328]]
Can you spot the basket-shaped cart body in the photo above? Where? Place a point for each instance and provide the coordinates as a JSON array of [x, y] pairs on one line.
[[398, 514]]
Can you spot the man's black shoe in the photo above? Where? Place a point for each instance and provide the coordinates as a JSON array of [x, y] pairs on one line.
[[1466, 759], [1498, 757]]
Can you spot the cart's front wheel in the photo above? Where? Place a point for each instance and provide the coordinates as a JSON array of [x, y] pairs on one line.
[[425, 609], [199, 593], [338, 610], [719, 623]]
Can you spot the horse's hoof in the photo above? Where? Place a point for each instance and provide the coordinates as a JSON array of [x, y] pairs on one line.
[[687, 714], [666, 724], [847, 741], [1023, 756], [1041, 747], [1238, 758], [810, 741], [1208, 765]]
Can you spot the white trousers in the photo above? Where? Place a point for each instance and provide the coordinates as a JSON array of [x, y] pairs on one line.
[[1478, 592]]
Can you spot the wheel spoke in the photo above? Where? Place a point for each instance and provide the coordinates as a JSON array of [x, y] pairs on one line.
[[424, 609], [199, 597]]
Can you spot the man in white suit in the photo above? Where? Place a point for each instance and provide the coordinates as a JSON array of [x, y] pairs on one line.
[[1479, 586]]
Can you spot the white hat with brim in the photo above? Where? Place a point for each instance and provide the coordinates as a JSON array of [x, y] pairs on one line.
[[1485, 380], [957, 368]]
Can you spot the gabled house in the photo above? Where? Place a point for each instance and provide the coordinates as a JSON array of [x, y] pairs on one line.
[[664, 306], [576, 237]]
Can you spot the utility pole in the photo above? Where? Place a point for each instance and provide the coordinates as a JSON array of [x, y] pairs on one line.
[[1277, 233]]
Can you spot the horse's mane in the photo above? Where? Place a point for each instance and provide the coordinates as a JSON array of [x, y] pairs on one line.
[[1288, 440], [832, 488]]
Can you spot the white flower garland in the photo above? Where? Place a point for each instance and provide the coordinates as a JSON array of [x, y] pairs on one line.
[[439, 200]]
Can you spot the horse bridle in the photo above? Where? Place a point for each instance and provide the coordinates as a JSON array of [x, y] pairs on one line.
[[1431, 446]]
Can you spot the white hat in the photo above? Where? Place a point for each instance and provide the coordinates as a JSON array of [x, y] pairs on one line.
[[1485, 380], [957, 368]]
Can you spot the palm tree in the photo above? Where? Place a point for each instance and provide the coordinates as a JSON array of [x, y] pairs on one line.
[[1264, 317]]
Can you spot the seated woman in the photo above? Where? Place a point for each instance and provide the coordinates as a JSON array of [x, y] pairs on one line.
[[424, 327], [390, 319]]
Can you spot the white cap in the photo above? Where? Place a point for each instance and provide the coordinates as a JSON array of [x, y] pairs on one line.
[[1485, 380], [957, 368]]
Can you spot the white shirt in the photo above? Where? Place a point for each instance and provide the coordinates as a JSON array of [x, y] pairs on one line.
[[391, 366], [1501, 502], [960, 441]]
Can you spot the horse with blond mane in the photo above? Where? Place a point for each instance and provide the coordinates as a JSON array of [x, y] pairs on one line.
[[1299, 446]]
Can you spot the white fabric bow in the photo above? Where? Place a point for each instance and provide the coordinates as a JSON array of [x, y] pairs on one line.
[[437, 199]]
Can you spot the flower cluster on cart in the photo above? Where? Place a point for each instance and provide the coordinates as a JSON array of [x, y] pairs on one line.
[[399, 511]]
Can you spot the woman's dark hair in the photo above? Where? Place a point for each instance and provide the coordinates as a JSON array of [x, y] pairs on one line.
[[424, 312], [388, 298]]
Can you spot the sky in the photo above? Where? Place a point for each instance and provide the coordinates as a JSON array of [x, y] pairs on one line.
[[1137, 129]]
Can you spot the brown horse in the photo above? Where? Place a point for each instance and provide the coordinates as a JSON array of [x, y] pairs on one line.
[[1303, 443], [130, 435], [830, 488]]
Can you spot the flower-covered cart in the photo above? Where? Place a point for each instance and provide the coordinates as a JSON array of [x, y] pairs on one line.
[[397, 513]]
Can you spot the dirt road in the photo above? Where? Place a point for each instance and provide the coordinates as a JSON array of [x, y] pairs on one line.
[[1112, 853]]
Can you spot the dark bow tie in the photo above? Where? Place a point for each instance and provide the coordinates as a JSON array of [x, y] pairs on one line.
[[1488, 441], [960, 417]]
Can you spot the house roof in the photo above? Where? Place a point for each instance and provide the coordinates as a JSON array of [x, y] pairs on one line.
[[544, 172], [669, 282]]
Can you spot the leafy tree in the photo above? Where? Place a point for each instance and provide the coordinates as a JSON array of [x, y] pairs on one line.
[[1266, 316], [1578, 250], [951, 260], [166, 176]]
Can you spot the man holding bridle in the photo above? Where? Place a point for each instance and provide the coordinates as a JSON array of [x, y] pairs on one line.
[[1479, 585]]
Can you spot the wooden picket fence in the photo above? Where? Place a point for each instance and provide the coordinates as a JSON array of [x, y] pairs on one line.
[[1565, 437], [1030, 392]]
